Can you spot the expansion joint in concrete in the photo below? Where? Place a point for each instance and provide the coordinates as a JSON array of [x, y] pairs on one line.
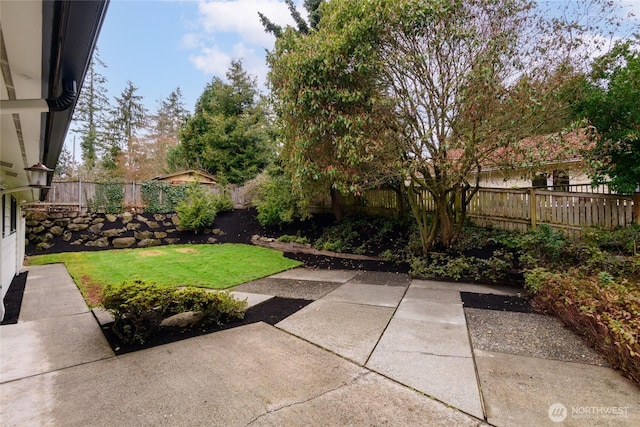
[[302, 402]]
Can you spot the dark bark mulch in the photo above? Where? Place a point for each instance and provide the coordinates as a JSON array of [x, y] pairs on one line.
[[496, 302], [271, 311], [13, 299]]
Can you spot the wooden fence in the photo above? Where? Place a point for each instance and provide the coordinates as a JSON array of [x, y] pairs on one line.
[[510, 209], [570, 212], [79, 194]]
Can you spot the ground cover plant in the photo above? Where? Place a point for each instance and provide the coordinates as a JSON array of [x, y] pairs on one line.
[[206, 266]]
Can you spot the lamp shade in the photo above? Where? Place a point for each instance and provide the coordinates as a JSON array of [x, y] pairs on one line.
[[38, 175]]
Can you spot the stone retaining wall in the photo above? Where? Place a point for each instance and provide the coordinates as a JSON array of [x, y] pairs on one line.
[[45, 230]]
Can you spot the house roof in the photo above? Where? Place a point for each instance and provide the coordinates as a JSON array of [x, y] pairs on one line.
[[187, 172], [543, 151], [46, 46]]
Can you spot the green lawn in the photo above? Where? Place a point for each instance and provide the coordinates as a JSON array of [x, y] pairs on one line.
[[207, 266]]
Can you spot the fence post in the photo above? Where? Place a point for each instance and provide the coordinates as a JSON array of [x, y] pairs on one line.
[[532, 208], [636, 206]]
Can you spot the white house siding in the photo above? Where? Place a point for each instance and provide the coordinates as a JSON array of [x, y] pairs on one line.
[[498, 179], [11, 250]]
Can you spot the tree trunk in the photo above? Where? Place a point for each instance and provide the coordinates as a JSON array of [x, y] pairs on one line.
[[336, 205]]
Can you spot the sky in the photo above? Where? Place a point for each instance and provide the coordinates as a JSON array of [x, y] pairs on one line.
[[162, 44]]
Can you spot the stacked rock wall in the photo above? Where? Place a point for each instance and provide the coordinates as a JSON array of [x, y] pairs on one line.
[[87, 231]]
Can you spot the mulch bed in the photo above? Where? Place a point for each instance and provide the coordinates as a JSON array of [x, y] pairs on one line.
[[271, 311], [496, 302], [13, 299]]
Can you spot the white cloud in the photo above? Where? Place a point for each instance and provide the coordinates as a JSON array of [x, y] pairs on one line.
[[211, 60], [228, 30], [241, 17]]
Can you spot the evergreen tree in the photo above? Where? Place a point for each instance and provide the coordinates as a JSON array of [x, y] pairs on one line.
[[128, 118], [302, 27], [65, 166], [165, 126], [229, 134], [90, 112]]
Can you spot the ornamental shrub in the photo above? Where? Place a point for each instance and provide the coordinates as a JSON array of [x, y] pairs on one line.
[[275, 201], [606, 312], [139, 307], [198, 210]]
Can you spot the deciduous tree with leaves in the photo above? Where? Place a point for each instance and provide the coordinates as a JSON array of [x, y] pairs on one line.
[[611, 103], [465, 80]]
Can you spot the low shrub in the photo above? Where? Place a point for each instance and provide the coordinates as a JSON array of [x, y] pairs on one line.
[[604, 311], [275, 200], [544, 246], [223, 201], [139, 307], [198, 210], [367, 235], [458, 267], [288, 238]]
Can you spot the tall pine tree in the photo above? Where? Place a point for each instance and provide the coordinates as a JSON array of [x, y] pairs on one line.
[[165, 125], [128, 118], [91, 112]]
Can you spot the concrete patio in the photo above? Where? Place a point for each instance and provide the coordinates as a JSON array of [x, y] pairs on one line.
[[372, 349]]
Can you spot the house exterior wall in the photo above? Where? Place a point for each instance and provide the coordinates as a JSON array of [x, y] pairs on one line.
[[498, 179], [11, 247]]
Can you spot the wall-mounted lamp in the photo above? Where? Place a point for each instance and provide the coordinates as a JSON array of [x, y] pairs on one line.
[[38, 180], [38, 175]]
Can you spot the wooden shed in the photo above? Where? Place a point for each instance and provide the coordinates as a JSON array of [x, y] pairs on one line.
[[187, 177]]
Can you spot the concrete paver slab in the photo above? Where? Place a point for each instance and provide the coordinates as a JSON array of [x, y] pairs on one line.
[[252, 299], [358, 293], [451, 296], [51, 292], [371, 400], [519, 391], [431, 311], [350, 330], [251, 375], [381, 278], [31, 348], [289, 288], [407, 335], [102, 316], [340, 276], [528, 334], [449, 379], [465, 287]]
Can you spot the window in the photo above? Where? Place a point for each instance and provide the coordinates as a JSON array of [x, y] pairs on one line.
[[9, 215], [560, 180], [14, 215], [539, 180], [4, 215]]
